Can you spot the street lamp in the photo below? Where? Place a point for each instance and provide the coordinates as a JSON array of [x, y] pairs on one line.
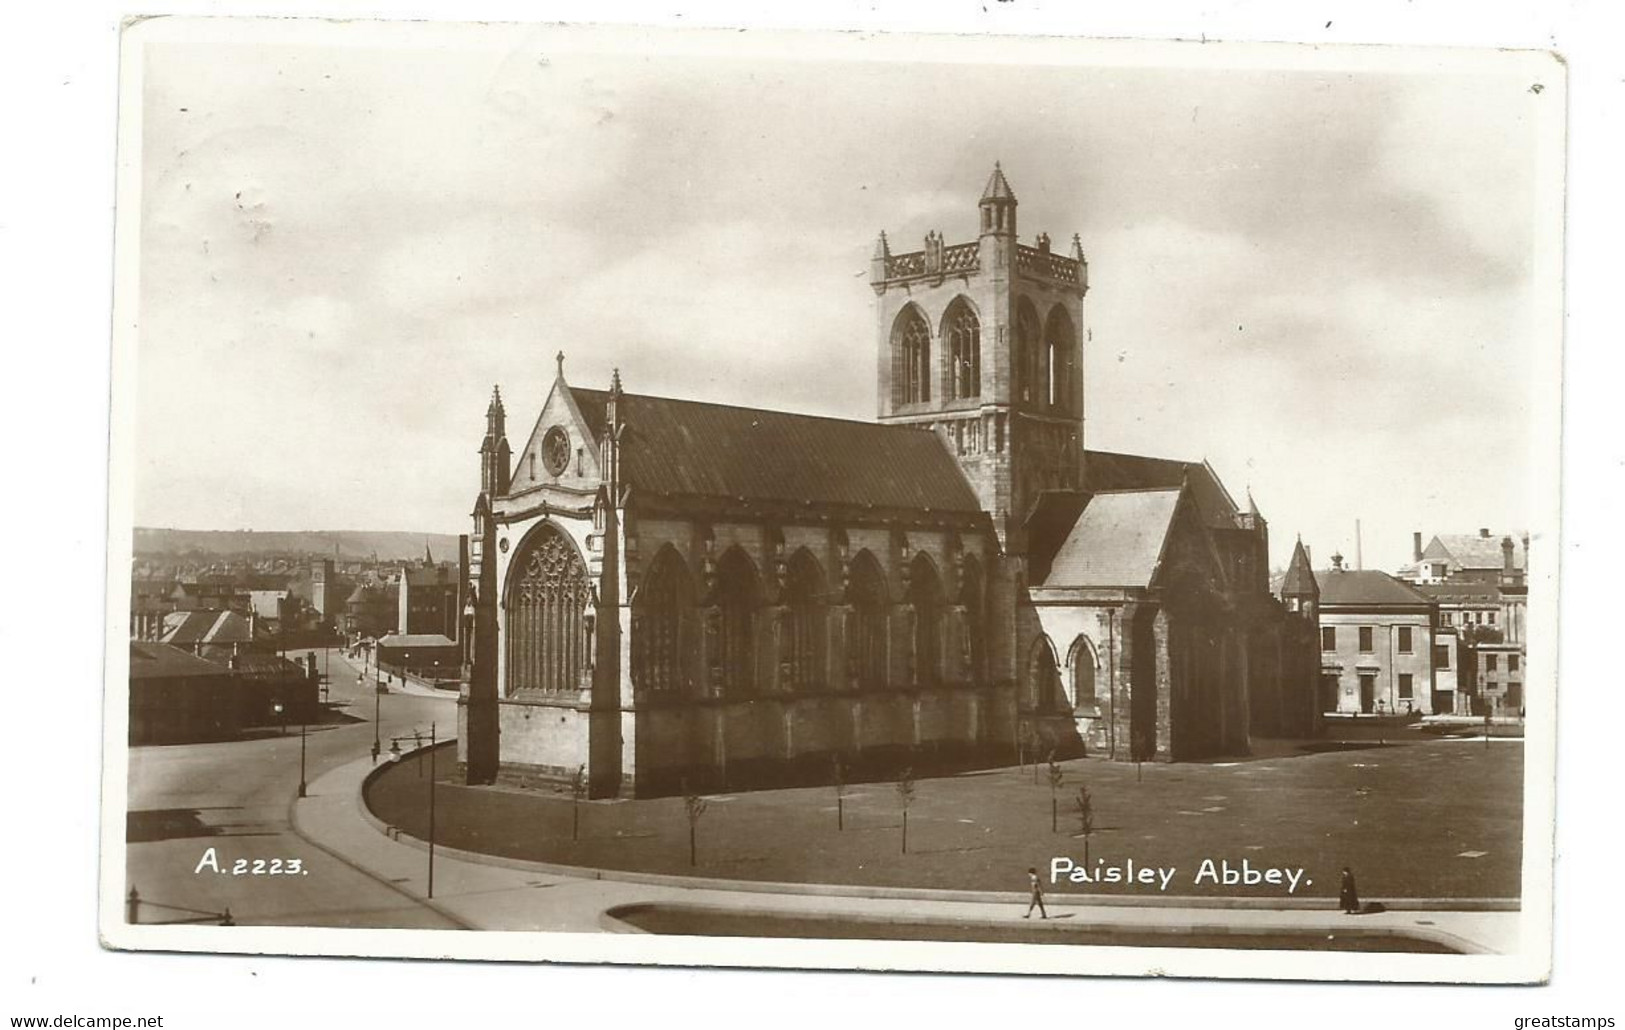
[[282, 722], [395, 756], [377, 689]]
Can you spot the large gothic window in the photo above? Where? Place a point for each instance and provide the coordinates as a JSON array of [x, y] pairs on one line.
[[925, 595], [911, 347], [866, 623], [548, 596], [1060, 351], [963, 333], [661, 616], [1029, 357], [807, 636], [733, 647]]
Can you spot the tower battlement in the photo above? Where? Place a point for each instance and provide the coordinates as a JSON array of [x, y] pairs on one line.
[[983, 342]]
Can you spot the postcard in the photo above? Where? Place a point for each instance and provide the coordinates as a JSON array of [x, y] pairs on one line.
[[852, 501]]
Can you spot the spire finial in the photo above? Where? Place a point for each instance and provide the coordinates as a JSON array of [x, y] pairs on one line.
[[559, 359], [615, 382]]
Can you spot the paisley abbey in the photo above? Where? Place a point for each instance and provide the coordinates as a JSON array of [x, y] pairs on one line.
[[673, 595]]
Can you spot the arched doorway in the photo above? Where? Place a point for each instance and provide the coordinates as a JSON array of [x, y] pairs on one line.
[[548, 594]]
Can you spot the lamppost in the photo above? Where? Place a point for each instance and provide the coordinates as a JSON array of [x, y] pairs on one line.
[[376, 691], [395, 756], [282, 730]]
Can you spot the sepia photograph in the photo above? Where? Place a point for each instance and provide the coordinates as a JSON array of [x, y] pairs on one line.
[[834, 500]]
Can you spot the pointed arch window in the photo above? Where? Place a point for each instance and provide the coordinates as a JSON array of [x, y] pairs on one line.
[[1044, 679], [807, 622], [911, 348], [866, 623], [1028, 357], [970, 599], [1060, 357], [963, 332], [925, 595], [734, 647], [1083, 675], [547, 630], [661, 617]]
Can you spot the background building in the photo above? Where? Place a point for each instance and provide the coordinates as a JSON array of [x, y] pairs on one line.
[[1480, 583], [1376, 644]]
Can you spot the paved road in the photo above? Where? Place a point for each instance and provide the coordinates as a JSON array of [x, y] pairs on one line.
[[234, 797]]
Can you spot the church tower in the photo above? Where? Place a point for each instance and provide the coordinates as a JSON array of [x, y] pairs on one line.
[[983, 342]]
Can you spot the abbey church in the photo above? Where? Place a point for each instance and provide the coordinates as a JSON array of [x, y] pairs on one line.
[[673, 595]]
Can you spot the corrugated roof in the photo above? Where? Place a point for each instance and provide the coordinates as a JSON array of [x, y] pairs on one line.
[[1365, 587], [699, 449], [184, 629], [1116, 541], [1108, 470]]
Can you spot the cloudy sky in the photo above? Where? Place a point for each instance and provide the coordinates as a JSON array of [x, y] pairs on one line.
[[1318, 280]]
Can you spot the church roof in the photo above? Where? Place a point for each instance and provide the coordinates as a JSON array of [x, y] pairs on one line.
[[1107, 470], [694, 448], [1117, 541]]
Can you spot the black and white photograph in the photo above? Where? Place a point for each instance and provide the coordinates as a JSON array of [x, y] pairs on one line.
[[869, 501]]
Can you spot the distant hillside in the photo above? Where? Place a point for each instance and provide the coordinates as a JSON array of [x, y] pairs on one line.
[[350, 543]]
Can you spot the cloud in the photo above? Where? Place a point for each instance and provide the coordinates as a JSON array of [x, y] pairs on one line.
[[1318, 280]]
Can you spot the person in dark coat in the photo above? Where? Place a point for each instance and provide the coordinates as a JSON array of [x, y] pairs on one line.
[[1346, 894], [1037, 895]]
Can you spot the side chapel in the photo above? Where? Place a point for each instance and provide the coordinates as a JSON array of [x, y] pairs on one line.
[[670, 594]]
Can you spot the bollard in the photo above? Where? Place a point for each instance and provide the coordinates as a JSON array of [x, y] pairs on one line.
[[226, 920], [132, 906]]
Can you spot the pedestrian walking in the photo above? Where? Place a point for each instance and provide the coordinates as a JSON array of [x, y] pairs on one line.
[[1346, 894], [1037, 895]]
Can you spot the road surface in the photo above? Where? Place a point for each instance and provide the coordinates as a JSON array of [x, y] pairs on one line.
[[229, 801]]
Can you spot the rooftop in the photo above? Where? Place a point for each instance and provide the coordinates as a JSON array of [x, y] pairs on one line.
[[1366, 587], [1117, 541], [697, 448]]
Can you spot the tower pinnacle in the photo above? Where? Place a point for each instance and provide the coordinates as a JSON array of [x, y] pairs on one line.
[[998, 204]]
